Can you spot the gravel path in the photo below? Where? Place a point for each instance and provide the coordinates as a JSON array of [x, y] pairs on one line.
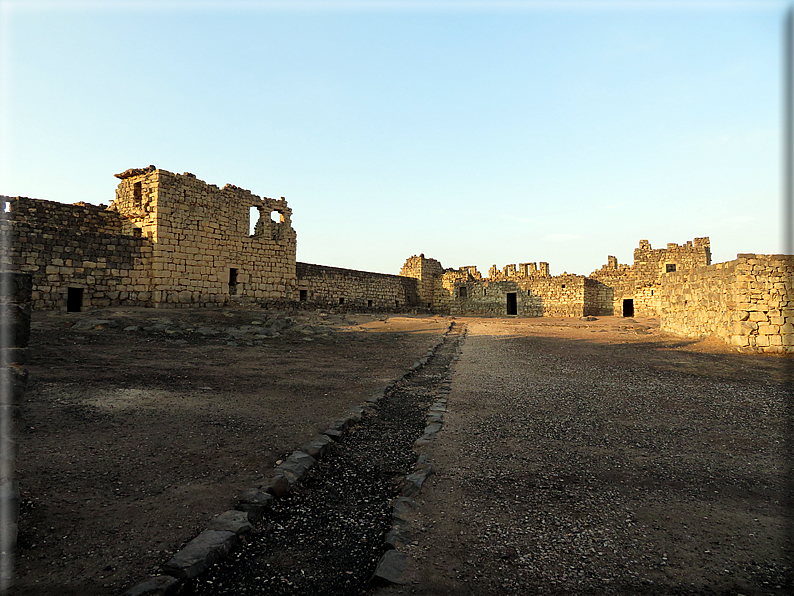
[[327, 535], [568, 465]]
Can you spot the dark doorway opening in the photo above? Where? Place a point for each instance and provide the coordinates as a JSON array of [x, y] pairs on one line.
[[512, 303], [628, 307], [304, 295], [369, 303], [232, 281], [74, 299]]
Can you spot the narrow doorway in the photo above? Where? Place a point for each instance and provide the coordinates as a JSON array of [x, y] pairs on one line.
[[74, 299], [512, 303], [628, 307], [232, 281]]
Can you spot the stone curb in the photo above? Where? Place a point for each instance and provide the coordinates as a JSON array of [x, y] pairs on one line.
[[393, 566], [224, 530]]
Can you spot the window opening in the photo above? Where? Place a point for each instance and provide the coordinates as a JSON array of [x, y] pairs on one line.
[[253, 219], [7, 207], [628, 307], [512, 303], [563, 286], [276, 217], [463, 292], [341, 300], [232, 281], [137, 193], [670, 267], [74, 299], [369, 303], [304, 295]]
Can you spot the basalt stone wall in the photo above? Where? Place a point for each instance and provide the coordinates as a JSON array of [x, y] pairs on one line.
[[598, 298], [203, 251], [82, 247], [428, 272], [747, 302], [334, 286], [527, 296], [651, 266]]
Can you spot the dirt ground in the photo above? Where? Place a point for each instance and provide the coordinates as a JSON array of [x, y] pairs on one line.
[[139, 425]]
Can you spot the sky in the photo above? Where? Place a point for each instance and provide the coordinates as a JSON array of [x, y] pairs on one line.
[[477, 133]]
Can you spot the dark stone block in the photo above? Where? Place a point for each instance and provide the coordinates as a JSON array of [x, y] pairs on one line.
[[204, 550], [231, 521], [391, 568]]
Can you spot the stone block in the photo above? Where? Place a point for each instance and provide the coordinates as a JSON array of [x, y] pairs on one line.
[[318, 447], [204, 550], [231, 521], [391, 568]]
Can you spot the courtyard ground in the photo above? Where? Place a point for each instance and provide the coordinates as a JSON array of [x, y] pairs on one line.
[[576, 457]]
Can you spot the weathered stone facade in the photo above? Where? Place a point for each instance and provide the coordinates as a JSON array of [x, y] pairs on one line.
[[173, 240], [78, 251], [747, 302], [334, 287]]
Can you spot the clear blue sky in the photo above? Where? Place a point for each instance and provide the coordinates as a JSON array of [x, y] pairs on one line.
[[476, 133]]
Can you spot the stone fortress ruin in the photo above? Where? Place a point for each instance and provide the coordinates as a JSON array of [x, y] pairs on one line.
[[171, 240]]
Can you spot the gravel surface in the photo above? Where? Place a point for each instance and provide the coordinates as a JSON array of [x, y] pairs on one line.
[[573, 463], [327, 535]]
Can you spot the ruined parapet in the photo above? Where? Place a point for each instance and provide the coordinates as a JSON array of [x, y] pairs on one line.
[[650, 264], [471, 270]]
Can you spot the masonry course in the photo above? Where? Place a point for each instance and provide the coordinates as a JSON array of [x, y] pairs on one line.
[[172, 240]]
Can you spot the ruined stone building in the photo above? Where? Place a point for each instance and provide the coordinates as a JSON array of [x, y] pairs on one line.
[[173, 240]]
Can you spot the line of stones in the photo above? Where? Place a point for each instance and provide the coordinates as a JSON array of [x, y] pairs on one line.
[[393, 564], [224, 530]]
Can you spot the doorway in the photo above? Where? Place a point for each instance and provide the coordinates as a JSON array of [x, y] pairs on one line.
[[232, 281], [628, 307], [512, 303], [74, 299]]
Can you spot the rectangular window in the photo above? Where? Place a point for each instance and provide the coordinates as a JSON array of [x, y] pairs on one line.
[[304, 295], [369, 303], [137, 194], [670, 267], [341, 300], [463, 292]]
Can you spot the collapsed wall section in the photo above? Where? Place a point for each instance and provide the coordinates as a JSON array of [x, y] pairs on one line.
[[78, 255], [747, 302], [333, 286]]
